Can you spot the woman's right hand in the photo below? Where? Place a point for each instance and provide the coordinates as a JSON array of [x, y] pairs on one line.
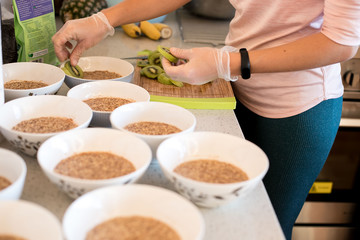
[[87, 32]]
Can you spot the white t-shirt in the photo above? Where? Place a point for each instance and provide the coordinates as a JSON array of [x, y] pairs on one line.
[[261, 24]]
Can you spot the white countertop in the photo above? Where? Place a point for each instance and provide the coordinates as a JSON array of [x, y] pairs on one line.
[[250, 217]]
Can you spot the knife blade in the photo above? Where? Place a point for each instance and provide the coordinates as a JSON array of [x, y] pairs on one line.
[[137, 57]]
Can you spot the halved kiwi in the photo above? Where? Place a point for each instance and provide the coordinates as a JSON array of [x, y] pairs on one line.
[[151, 71], [166, 53], [155, 58], [142, 63], [73, 71]]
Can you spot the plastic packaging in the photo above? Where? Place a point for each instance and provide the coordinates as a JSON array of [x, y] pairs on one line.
[[34, 23]]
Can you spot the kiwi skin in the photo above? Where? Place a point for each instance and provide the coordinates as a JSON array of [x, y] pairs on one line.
[[74, 71], [164, 79], [165, 51], [177, 83]]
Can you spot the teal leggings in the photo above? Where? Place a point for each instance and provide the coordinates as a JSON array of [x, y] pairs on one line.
[[297, 148]]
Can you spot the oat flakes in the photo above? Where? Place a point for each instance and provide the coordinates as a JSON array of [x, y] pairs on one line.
[[94, 165], [10, 237], [132, 228], [100, 75], [106, 104], [45, 125], [24, 84], [211, 171], [152, 128], [4, 183]]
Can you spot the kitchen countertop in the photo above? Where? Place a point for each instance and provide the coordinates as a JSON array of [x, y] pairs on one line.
[[248, 217]]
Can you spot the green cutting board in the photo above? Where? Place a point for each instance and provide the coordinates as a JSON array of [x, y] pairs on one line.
[[214, 95]]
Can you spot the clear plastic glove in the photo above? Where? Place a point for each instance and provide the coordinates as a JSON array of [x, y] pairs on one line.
[[87, 32], [203, 65]]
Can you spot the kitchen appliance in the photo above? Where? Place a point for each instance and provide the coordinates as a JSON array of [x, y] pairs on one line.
[[217, 9], [332, 209], [2, 98], [2, 94], [198, 29], [8, 41]]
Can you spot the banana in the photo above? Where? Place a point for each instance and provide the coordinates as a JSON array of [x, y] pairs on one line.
[[150, 30], [165, 30], [132, 30]]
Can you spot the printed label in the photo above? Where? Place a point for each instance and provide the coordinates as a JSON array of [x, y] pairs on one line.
[[33, 8]]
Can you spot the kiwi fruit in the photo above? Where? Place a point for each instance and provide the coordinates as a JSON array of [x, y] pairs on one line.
[[165, 51], [152, 67], [142, 63], [177, 83], [155, 59], [73, 71], [66, 71], [164, 79], [151, 71], [145, 52]]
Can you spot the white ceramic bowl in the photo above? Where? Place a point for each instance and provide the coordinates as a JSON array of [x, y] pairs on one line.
[[216, 146], [31, 71], [141, 200], [13, 168], [108, 89], [111, 64], [64, 145], [29, 221], [154, 112], [26, 108]]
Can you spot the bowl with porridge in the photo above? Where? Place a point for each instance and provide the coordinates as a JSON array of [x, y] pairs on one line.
[[212, 168], [12, 175], [82, 160], [135, 211], [105, 96], [98, 68], [25, 220], [153, 121], [23, 79], [29, 121]]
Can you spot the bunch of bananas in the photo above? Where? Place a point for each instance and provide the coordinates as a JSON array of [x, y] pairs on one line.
[[154, 31]]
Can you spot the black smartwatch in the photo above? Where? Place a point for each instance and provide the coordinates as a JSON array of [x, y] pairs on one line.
[[245, 64]]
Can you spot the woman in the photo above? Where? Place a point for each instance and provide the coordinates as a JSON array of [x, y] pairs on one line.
[[286, 78]]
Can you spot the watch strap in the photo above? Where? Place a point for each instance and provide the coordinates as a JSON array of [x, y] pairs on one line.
[[245, 64]]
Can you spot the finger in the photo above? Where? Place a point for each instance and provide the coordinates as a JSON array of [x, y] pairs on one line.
[[165, 63], [181, 53], [62, 53], [59, 47], [76, 53], [175, 72]]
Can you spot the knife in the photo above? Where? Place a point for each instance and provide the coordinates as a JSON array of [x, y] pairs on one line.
[[137, 57]]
